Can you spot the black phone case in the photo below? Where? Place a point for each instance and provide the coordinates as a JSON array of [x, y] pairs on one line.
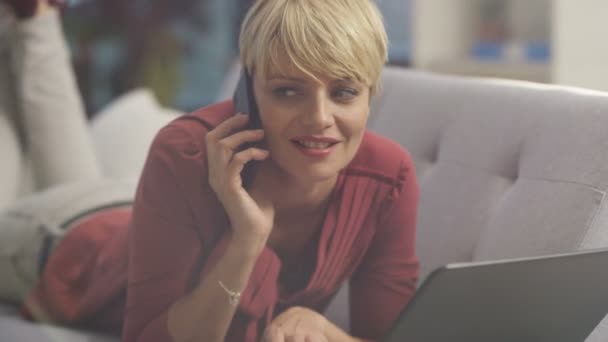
[[244, 102], [244, 99]]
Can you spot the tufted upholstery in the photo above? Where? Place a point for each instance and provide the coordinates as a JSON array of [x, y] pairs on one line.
[[506, 169]]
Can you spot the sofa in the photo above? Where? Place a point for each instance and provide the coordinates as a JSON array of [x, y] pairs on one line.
[[506, 169]]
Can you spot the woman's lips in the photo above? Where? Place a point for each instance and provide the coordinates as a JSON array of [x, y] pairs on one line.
[[318, 147]]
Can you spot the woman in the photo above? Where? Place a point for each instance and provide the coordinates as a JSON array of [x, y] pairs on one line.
[[329, 200], [206, 259]]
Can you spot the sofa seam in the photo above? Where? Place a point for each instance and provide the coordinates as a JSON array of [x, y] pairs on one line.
[[489, 172], [591, 221]]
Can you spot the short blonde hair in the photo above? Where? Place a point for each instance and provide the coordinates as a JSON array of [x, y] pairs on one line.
[[341, 39]]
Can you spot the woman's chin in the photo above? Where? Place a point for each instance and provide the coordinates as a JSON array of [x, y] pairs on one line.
[[316, 173], [307, 172]]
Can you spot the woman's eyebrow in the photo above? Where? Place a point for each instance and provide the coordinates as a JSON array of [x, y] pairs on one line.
[[346, 81], [287, 78]]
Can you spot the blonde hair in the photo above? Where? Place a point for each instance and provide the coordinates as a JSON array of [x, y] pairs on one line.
[[341, 39]]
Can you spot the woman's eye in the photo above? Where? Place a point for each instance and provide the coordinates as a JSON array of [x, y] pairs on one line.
[[345, 93], [284, 92]]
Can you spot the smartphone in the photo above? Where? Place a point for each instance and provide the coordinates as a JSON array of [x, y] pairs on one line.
[[244, 102]]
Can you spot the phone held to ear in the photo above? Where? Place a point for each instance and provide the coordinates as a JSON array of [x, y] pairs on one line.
[[244, 102]]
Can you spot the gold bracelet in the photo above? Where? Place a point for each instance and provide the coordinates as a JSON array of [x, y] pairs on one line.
[[233, 297]]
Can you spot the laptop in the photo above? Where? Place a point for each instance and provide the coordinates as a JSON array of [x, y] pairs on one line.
[[557, 298]]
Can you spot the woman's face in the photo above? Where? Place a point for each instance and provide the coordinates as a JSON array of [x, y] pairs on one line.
[[313, 128]]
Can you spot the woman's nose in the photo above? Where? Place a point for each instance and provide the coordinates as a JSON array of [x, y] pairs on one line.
[[319, 114]]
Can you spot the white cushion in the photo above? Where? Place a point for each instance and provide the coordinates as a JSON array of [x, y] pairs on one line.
[[122, 133]]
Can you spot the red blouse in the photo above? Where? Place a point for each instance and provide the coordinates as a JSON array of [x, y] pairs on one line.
[[179, 229]]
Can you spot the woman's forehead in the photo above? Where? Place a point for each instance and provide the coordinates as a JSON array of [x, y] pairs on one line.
[[287, 69], [283, 67], [301, 77], [280, 64]]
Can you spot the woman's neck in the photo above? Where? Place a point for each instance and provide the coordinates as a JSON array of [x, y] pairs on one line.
[[300, 208], [292, 196]]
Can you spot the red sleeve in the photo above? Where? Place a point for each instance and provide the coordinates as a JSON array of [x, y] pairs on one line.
[[386, 279], [164, 241]]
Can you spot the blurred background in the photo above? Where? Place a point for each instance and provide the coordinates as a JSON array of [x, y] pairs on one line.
[[182, 49]]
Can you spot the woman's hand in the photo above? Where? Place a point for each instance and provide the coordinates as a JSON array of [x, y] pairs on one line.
[[251, 214], [298, 324]]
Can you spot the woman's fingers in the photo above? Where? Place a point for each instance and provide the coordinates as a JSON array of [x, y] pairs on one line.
[[301, 325], [235, 140], [295, 338], [273, 334], [227, 127], [222, 143], [241, 158], [305, 338]]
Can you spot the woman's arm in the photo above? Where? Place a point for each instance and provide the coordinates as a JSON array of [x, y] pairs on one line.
[[164, 242], [205, 314], [251, 222], [386, 280]]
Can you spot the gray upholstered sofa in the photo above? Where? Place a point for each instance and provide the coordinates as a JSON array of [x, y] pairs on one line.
[[506, 170]]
